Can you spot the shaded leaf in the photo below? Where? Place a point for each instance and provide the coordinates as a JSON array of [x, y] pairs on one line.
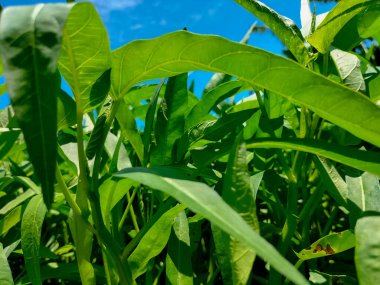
[[5, 271]]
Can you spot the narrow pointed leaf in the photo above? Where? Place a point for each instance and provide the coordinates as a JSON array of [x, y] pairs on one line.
[[179, 52], [31, 227], [66, 111], [170, 121], [367, 250], [10, 220], [85, 57], [5, 271], [203, 200], [363, 160], [153, 242], [178, 259], [236, 258], [336, 19], [284, 28], [329, 245], [30, 42]]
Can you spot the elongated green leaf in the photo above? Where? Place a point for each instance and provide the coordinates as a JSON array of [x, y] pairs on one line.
[[179, 52], [284, 28], [212, 98], [153, 242], [205, 201], [7, 139], [364, 192], [17, 201], [367, 250], [336, 19], [178, 259], [328, 245], [129, 129], [348, 66], [30, 41], [10, 220], [31, 227], [236, 258], [85, 58], [66, 110], [5, 271], [170, 122], [363, 160]]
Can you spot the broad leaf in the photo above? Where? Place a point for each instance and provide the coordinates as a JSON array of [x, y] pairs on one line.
[[178, 259], [284, 28], [329, 245], [180, 52], [31, 227], [203, 200], [367, 250], [85, 57], [153, 242], [336, 19], [363, 160], [30, 41]]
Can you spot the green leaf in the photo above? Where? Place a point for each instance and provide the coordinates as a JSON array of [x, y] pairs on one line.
[[369, 23], [170, 121], [129, 130], [182, 51], [66, 110], [336, 19], [31, 227], [210, 99], [348, 66], [178, 259], [85, 57], [30, 41], [284, 28], [236, 258], [203, 200], [367, 250], [5, 271], [10, 220], [329, 245], [8, 138], [153, 242], [17, 201], [364, 192], [363, 160]]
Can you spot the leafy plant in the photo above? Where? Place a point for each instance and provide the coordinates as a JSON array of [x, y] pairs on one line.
[[279, 187]]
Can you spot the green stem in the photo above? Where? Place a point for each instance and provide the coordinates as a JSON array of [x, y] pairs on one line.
[[127, 209]]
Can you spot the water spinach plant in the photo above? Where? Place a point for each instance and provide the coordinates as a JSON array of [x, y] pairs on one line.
[[279, 187]]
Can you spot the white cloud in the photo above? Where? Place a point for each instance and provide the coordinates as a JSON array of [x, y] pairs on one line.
[[136, 27], [106, 6]]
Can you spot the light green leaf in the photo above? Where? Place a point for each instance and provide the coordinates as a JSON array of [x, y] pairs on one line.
[[236, 258], [178, 259], [170, 121], [85, 57], [336, 19], [364, 192], [367, 250], [210, 99], [182, 51], [10, 220], [369, 23], [348, 66], [363, 160], [5, 271], [329, 245], [17, 201], [153, 242], [30, 41], [284, 28], [203, 200], [31, 227]]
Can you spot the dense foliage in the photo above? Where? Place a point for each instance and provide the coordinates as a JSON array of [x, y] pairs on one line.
[[126, 181]]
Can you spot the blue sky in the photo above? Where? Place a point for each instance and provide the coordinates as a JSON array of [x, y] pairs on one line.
[[128, 20]]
